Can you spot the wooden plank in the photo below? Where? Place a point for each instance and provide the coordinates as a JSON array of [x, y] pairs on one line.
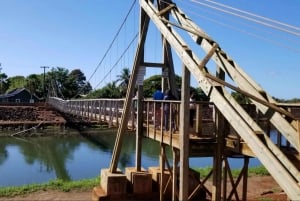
[[218, 156], [176, 156], [280, 174], [184, 135], [241, 78], [129, 94], [258, 131]]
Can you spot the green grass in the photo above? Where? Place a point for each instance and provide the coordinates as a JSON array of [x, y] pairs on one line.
[[258, 171], [85, 184], [253, 171], [57, 184]]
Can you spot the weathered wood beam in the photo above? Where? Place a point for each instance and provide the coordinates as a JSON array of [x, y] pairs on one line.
[[259, 100], [154, 65], [271, 162], [130, 91], [207, 57], [184, 134], [166, 10], [243, 80]]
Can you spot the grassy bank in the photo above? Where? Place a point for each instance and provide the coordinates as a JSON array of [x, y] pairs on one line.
[[84, 184], [253, 171], [88, 184]]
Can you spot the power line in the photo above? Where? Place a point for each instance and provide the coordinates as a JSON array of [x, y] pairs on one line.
[[250, 19], [44, 84]]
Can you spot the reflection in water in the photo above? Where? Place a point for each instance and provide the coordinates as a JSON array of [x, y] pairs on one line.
[[3, 154], [51, 152], [72, 157]]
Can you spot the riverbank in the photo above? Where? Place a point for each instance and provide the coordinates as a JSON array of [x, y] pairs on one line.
[[259, 188], [24, 118], [40, 119]]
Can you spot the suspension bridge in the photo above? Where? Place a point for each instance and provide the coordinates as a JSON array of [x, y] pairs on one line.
[[228, 129]]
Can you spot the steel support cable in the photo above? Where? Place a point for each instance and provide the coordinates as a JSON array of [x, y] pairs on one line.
[[107, 74], [267, 39], [275, 42], [137, 34], [110, 46], [114, 39], [255, 15], [249, 18], [228, 25], [222, 16]]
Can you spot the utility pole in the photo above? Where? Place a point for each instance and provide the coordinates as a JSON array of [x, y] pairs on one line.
[[44, 85], [1, 78]]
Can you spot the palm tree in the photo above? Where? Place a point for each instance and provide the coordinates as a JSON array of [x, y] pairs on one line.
[[123, 80]]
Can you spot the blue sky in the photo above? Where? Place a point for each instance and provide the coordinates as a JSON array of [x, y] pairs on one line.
[[77, 33]]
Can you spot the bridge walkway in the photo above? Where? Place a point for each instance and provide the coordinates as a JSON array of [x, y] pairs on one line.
[[202, 135]]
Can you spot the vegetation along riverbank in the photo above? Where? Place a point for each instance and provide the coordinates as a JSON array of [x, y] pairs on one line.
[[262, 187]]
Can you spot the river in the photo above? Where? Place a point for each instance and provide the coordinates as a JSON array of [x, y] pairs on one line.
[[28, 160]]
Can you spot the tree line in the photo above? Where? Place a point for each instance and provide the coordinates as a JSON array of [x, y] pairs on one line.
[[59, 81], [67, 84], [118, 87]]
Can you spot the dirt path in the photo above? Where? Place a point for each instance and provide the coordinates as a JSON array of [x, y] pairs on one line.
[[259, 188]]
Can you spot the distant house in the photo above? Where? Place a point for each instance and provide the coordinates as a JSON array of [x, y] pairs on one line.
[[19, 95]]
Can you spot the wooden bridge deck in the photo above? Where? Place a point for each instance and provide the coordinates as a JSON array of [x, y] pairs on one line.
[[202, 138]]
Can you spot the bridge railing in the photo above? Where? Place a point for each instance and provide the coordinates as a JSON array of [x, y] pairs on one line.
[[100, 110], [165, 115], [161, 117]]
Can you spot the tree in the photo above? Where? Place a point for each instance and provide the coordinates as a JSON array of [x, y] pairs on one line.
[[16, 82], [151, 83], [109, 91], [56, 79], [4, 84], [123, 80], [82, 85], [34, 84], [76, 84], [240, 98], [68, 84], [293, 100], [200, 95]]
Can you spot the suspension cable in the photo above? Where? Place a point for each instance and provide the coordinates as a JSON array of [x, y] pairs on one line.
[[107, 74], [114, 39]]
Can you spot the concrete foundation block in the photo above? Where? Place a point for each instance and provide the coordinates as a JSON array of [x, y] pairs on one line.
[[113, 183], [140, 181], [99, 194], [156, 177]]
